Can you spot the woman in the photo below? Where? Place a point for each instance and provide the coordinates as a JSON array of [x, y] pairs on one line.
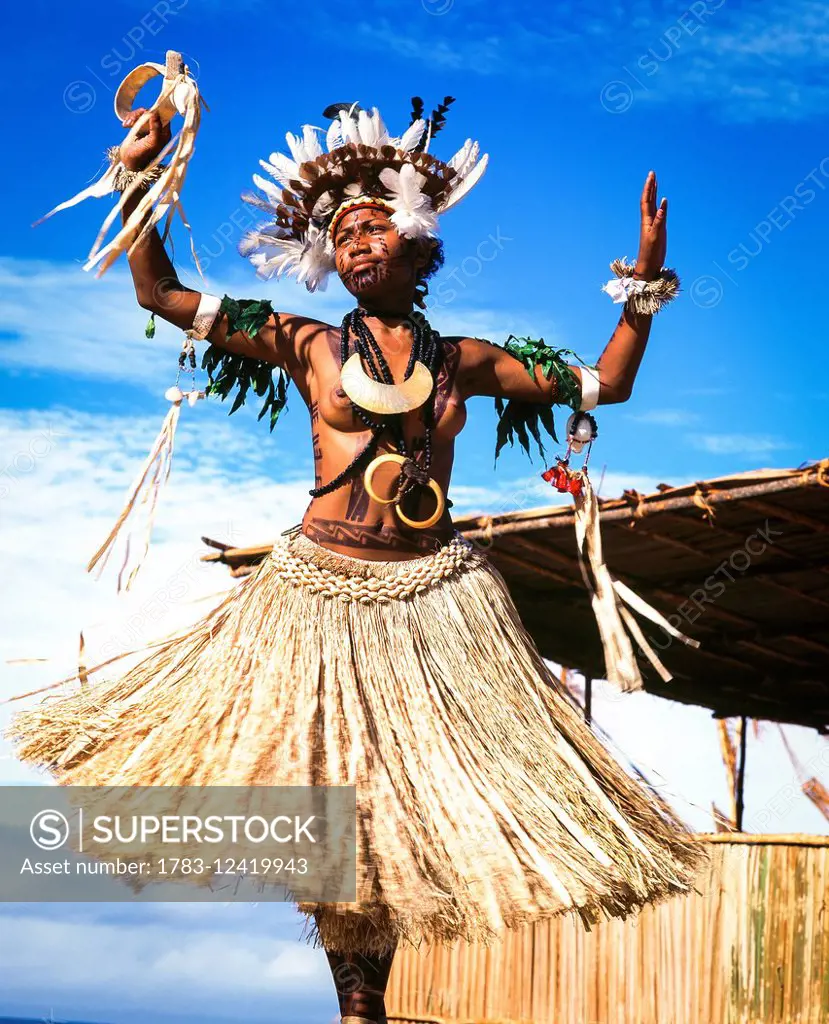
[[484, 801]]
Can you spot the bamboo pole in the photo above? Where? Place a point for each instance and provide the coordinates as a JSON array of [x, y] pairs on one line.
[[741, 776], [750, 839]]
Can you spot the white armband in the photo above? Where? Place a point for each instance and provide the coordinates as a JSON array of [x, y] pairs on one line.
[[205, 317], [589, 388]]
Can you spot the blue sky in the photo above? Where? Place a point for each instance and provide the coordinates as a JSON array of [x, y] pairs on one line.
[[728, 102]]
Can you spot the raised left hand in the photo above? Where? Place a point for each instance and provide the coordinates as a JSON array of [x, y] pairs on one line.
[[653, 232]]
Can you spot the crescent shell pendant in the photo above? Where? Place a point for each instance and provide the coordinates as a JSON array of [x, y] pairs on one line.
[[376, 396]]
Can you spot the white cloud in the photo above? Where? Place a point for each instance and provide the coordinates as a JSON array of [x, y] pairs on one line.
[[746, 63], [176, 968], [524, 493], [707, 392], [612, 484], [737, 444]]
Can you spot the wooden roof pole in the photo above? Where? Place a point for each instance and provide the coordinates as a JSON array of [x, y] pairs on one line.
[[625, 511]]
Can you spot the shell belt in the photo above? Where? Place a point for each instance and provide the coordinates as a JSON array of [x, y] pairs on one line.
[[412, 579]]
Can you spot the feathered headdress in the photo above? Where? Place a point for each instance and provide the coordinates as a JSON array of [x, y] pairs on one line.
[[309, 191]]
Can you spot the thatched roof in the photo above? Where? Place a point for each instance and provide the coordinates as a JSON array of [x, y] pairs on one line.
[[742, 560]]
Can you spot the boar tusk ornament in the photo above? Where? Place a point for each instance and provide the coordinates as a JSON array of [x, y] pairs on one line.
[[433, 485]]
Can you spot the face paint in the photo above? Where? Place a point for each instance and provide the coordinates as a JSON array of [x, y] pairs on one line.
[[370, 253]]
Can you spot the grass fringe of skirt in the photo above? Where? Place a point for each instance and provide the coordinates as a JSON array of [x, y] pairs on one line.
[[484, 801]]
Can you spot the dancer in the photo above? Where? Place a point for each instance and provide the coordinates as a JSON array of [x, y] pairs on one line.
[[375, 647]]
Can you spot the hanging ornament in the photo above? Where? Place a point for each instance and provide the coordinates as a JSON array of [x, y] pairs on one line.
[[388, 399], [153, 474], [612, 600], [581, 430]]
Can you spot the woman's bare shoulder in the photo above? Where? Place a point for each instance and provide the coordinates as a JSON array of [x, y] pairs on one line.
[[304, 334], [296, 326]]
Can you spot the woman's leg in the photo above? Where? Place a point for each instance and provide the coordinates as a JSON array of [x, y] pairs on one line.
[[360, 981]]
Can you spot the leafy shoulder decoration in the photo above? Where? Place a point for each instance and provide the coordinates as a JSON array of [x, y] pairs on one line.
[[524, 419], [227, 371]]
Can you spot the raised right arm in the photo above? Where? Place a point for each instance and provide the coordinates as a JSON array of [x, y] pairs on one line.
[[281, 341]]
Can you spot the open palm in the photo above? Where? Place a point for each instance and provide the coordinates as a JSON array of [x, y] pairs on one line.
[[653, 233]]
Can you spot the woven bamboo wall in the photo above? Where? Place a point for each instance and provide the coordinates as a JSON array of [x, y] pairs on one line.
[[752, 946]]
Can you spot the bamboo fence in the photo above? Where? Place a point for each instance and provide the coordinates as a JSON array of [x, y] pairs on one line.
[[750, 946]]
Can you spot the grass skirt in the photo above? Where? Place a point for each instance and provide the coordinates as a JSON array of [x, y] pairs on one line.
[[484, 802]]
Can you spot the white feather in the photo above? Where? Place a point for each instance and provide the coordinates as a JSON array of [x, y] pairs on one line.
[[464, 185], [295, 146], [333, 137], [323, 205], [268, 187], [461, 155], [471, 159], [414, 215], [405, 184], [463, 161], [288, 169], [268, 239], [311, 142], [348, 128], [315, 264], [304, 147], [254, 200], [466, 165], [276, 173], [371, 128], [382, 130], [274, 266], [411, 136], [307, 258], [415, 223]]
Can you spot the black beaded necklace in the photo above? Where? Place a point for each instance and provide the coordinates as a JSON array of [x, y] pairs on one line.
[[427, 347]]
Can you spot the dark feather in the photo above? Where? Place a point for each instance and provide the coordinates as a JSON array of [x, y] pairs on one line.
[[333, 110]]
